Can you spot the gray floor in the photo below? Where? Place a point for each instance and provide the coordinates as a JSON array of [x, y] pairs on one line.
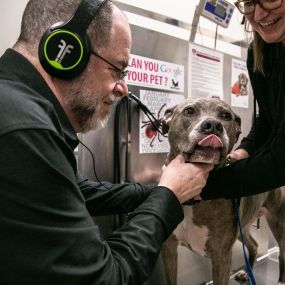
[[265, 272], [196, 270]]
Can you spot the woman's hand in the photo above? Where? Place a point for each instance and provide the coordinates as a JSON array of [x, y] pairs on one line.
[[237, 155]]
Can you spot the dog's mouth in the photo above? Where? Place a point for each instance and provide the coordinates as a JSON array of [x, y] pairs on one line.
[[207, 150]]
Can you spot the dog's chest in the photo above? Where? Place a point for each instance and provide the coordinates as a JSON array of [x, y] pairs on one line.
[[191, 235]]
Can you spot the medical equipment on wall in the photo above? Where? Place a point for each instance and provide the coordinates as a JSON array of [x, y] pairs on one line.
[[218, 11]]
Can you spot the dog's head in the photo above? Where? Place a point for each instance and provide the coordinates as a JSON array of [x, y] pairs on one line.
[[243, 80], [203, 130]]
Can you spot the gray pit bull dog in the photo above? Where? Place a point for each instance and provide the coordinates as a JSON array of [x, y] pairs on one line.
[[202, 130], [205, 130]]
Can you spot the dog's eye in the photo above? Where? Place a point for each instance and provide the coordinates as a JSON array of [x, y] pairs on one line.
[[189, 111], [226, 116]]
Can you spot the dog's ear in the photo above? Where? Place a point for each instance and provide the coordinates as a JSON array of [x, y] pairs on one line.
[[237, 126], [167, 119]]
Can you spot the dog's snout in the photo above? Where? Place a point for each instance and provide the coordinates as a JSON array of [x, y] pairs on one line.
[[211, 126]]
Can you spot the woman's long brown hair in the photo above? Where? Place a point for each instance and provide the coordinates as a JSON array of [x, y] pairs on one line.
[[257, 46]]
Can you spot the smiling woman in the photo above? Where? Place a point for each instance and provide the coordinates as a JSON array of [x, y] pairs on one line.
[[266, 17], [259, 162], [264, 146]]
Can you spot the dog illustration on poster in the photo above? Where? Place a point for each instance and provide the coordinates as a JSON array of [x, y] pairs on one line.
[[240, 86]]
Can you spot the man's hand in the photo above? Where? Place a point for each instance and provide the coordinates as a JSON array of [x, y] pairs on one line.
[[185, 180]]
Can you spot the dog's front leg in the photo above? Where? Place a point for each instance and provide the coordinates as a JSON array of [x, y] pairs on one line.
[[221, 266], [282, 265]]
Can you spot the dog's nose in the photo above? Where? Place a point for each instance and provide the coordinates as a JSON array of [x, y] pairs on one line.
[[211, 126]]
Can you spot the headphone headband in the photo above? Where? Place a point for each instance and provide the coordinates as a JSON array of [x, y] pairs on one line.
[[84, 14], [64, 49]]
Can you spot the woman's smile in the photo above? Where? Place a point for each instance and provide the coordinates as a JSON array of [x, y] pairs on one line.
[[269, 23]]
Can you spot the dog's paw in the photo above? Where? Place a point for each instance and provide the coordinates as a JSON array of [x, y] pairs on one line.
[[281, 283], [241, 276]]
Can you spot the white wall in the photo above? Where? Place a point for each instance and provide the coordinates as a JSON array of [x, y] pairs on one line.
[[11, 14], [10, 21]]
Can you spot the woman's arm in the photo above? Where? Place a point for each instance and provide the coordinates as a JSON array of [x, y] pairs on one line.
[[262, 171]]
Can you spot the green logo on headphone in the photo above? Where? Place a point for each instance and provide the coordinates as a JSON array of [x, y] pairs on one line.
[[63, 50]]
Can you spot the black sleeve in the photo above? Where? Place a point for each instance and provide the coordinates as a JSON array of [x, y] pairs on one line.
[[106, 198], [47, 234], [258, 135], [262, 171]]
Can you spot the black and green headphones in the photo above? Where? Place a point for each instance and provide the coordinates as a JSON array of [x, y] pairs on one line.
[[64, 50]]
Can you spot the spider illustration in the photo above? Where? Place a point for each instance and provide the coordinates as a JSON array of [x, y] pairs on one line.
[[153, 127]]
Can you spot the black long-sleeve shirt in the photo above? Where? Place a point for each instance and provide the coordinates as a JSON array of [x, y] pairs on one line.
[[264, 170], [47, 234]]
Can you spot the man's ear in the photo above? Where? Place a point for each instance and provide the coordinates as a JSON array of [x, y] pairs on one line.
[[237, 126], [167, 119]]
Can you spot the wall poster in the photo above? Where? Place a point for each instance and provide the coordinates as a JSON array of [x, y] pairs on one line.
[[205, 72], [239, 84], [157, 74], [150, 140]]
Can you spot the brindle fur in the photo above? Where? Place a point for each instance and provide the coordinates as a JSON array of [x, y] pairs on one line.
[[218, 215]]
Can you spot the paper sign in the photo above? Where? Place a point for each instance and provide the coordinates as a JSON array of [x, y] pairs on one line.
[[151, 140], [205, 72], [239, 84], [148, 72]]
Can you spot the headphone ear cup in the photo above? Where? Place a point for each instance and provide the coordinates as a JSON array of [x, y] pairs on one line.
[[64, 54]]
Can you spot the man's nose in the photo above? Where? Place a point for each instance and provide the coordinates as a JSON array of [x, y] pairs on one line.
[[121, 88]]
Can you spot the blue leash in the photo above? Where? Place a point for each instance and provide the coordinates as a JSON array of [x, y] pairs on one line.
[[236, 204]]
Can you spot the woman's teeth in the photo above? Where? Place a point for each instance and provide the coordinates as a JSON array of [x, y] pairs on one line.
[[269, 23]]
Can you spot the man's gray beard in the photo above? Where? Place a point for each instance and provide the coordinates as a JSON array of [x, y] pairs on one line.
[[94, 123], [86, 109]]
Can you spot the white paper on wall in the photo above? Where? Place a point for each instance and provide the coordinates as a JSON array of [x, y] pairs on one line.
[[157, 74], [151, 141], [205, 72], [239, 84]]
